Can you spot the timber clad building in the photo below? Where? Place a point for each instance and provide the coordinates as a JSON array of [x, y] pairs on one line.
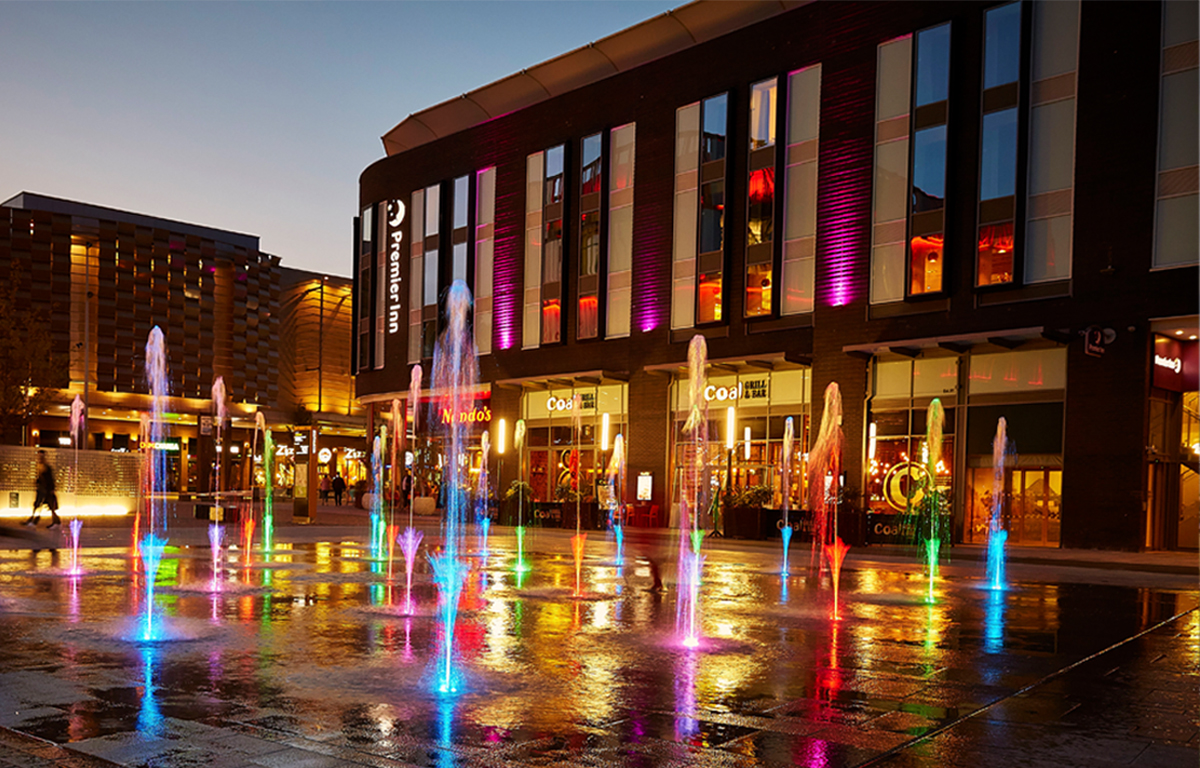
[[993, 204]]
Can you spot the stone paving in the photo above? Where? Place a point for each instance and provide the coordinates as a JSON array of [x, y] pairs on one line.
[[306, 656]]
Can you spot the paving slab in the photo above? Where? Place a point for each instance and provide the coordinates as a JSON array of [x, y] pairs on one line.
[[311, 654]]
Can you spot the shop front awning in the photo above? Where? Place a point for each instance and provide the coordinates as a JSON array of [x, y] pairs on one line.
[[565, 380], [1006, 339], [771, 361]]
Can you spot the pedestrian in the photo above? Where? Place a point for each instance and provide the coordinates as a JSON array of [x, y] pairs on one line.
[[45, 495], [339, 487], [644, 545], [326, 487]]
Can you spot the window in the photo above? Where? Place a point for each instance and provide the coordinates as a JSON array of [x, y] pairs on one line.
[[381, 287], [927, 220], [762, 114], [1051, 163], [590, 180], [485, 237], [622, 143], [416, 271], [460, 236], [683, 244], [366, 255], [1176, 240], [698, 268], [552, 246], [998, 146], [760, 204], [432, 253], [800, 192], [531, 320], [890, 200]]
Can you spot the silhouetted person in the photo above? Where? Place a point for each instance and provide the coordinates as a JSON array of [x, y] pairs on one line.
[[45, 495], [339, 487]]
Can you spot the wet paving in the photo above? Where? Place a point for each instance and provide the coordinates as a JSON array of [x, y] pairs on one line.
[[309, 656]]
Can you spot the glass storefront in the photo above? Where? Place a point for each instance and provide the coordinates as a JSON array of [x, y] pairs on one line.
[[897, 457], [551, 436], [1027, 388], [761, 402]]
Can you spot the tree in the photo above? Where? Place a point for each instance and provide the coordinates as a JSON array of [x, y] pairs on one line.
[[29, 369]]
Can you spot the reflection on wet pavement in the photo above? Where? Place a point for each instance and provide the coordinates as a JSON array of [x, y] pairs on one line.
[[307, 656]]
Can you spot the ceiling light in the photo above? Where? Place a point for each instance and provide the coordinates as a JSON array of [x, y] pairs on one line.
[[1178, 333]]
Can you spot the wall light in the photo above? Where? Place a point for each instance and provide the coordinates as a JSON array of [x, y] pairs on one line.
[[501, 436], [604, 432], [746, 446], [730, 426]]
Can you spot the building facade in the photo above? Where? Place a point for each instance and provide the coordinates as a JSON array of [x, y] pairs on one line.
[[103, 278], [989, 204]]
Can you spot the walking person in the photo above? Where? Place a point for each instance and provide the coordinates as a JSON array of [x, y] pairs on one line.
[[326, 487], [339, 487], [45, 495]]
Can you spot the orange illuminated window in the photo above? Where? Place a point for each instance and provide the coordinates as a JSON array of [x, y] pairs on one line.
[[995, 254], [926, 275]]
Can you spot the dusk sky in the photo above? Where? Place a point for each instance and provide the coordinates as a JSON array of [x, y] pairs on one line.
[[252, 117]]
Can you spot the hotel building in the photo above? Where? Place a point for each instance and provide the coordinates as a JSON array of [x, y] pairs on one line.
[[992, 204]]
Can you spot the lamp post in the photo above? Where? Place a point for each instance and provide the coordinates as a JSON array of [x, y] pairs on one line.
[[501, 444], [730, 426]]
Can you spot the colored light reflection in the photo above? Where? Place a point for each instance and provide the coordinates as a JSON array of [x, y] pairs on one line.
[[993, 622]]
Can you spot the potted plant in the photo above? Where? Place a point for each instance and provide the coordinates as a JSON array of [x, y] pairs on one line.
[[518, 499], [745, 517]]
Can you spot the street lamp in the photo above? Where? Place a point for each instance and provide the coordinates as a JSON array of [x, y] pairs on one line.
[[730, 426]]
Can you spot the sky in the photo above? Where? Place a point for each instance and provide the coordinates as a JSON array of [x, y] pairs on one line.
[[255, 117]]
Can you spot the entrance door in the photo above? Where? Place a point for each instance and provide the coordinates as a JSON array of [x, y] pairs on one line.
[[1036, 508]]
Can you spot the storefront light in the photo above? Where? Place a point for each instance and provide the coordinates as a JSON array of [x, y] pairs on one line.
[[730, 426], [501, 436], [746, 445], [604, 432], [871, 441]]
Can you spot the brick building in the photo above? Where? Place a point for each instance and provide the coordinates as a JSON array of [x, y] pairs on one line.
[[993, 204]]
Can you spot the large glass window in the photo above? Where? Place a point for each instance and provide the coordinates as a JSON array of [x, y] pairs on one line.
[[698, 263], [928, 169], [998, 146], [760, 202], [366, 251], [1050, 165], [1177, 225], [889, 230], [800, 191], [553, 256], [622, 142], [590, 183], [552, 263]]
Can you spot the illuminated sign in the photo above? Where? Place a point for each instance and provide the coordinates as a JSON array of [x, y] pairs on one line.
[[587, 402], [396, 212], [324, 455], [645, 485], [1170, 363], [755, 389], [904, 485], [477, 415], [172, 447]]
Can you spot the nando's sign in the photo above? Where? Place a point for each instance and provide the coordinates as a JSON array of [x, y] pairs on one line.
[[476, 411]]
